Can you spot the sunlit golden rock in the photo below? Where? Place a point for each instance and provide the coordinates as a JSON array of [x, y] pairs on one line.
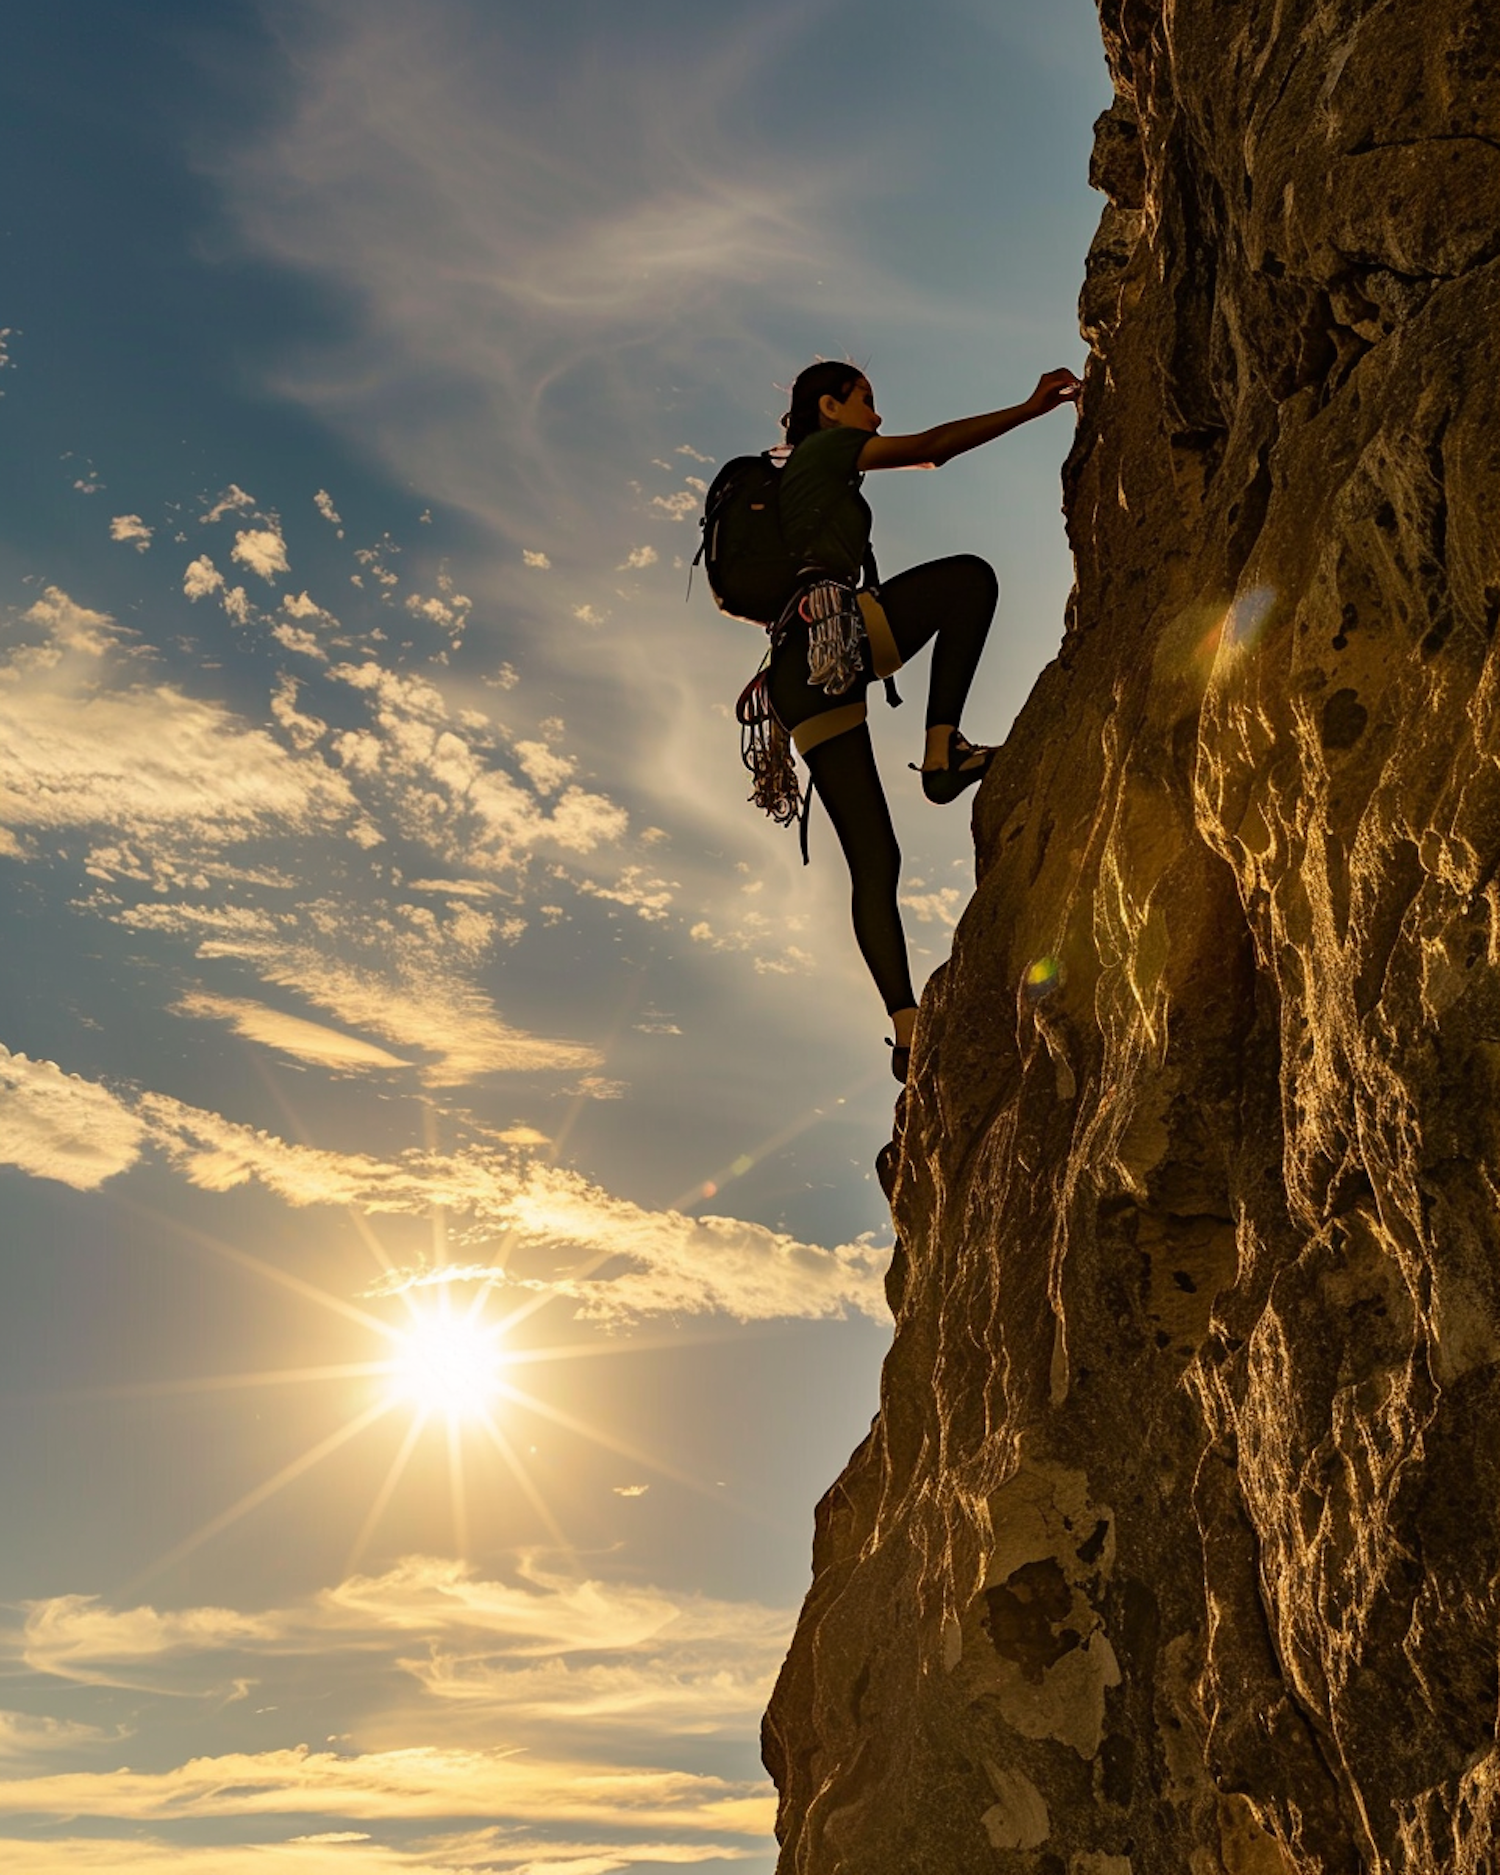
[[1174, 1548]]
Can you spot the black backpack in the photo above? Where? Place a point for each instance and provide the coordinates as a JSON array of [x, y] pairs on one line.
[[750, 573]]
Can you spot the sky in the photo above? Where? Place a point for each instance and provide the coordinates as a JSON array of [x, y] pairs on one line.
[[440, 1253]]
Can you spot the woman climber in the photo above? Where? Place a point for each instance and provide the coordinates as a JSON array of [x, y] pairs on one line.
[[837, 634]]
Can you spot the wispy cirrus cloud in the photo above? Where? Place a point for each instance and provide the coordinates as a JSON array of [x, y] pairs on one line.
[[580, 1652], [546, 268], [80, 1638], [25, 1737], [289, 1035], [409, 986], [400, 1785], [355, 1852], [83, 745], [602, 1679]]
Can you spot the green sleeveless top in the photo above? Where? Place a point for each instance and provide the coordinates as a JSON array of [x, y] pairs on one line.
[[825, 521]]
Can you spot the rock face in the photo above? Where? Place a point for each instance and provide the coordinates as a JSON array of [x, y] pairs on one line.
[[1174, 1547]]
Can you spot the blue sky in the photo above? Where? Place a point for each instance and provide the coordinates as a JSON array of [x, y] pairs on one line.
[[389, 937]]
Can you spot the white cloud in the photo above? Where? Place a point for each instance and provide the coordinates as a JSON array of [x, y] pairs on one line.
[[68, 627], [637, 888], [655, 1022], [165, 784], [201, 578], [477, 889], [637, 557], [589, 614], [545, 770], [538, 560], [686, 1265], [301, 731], [573, 1652], [659, 1262], [943, 906], [599, 1677], [631, 1490], [598, 1087], [300, 605], [450, 611], [793, 961], [147, 760], [300, 641], [24, 1736], [290, 1035], [355, 1852], [399, 1785], [262, 550], [130, 527], [54, 1125], [323, 502], [414, 991], [686, 449], [762, 938], [79, 1638], [231, 501], [464, 809], [679, 506]]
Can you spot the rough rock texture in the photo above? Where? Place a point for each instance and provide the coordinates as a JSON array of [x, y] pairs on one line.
[[1174, 1546]]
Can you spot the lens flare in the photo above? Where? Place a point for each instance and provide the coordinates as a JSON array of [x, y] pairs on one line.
[[1240, 629], [447, 1363], [1042, 976]]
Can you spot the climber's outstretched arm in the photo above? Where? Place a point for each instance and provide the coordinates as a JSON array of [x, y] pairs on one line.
[[932, 448]]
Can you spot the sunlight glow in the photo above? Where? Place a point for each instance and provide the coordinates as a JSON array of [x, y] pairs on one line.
[[448, 1363]]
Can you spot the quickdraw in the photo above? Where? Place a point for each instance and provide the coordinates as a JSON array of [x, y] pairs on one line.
[[836, 635]]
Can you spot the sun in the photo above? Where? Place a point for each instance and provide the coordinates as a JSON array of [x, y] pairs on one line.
[[447, 1368], [447, 1363]]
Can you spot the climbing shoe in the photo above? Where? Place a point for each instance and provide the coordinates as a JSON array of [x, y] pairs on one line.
[[945, 784], [900, 1061]]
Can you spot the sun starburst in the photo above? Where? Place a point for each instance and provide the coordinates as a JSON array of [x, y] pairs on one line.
[[445, 1378], [448, 1362]]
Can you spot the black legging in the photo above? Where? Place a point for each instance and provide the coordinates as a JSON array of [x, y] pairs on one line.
[[951, 599]]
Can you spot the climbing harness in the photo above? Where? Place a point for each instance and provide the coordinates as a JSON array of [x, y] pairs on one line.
[[836, 639]]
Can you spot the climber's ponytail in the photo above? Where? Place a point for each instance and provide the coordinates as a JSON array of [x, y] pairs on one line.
[[827, 378]]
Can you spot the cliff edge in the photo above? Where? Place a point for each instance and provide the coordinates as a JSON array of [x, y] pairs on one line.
[[1174, 1547]]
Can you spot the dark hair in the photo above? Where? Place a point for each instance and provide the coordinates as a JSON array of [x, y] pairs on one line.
[[827, 378]]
